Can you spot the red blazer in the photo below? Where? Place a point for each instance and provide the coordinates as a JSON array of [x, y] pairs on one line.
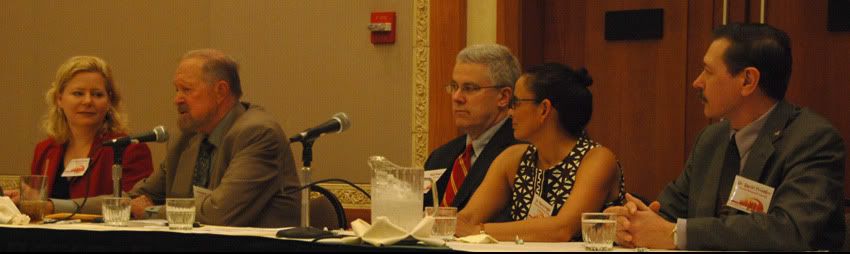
[[136, 166]]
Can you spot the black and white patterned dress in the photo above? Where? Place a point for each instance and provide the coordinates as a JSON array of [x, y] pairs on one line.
[[553, 185]]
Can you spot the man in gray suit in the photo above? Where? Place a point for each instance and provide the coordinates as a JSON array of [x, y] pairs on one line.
[[233, 150], [791, 157]]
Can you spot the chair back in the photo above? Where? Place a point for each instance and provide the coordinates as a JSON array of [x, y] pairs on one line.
[[326, 210]]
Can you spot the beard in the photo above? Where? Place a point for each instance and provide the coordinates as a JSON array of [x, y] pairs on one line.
[[187, 123]]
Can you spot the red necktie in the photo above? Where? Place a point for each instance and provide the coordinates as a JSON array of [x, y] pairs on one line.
[[459, 171]]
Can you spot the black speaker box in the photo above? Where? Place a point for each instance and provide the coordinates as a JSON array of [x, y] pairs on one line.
[[838, 18], [647, 24]]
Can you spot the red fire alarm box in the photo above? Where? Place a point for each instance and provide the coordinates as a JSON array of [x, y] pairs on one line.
[[382, 27]]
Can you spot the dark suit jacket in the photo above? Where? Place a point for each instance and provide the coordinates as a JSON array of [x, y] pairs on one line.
[[250, 173], [799, 154], [136, 165], [445, 156]]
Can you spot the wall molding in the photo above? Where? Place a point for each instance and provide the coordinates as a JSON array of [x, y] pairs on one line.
[[10, 182], [350, 197], [421, 52]]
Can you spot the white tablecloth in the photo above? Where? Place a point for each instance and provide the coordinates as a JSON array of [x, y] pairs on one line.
[[529, 247], [271, 233]]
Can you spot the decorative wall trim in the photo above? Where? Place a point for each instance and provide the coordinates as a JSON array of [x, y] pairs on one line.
[[349, 197], [10, 182], [421, 51]]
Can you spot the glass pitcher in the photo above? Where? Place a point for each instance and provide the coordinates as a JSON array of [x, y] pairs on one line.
[[396, 192]]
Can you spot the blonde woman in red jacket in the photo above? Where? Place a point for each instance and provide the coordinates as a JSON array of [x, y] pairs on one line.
[[83, 111]]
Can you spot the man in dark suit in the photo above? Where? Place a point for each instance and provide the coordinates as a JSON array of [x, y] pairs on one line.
[[769, 176], [482, 86]]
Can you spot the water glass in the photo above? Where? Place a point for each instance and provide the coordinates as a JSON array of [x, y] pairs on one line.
[[33, 197], [445, 221], [116, 211], [599, 230], [180, 213]]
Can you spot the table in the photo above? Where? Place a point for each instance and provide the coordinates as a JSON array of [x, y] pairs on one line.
[[98, 237], [530, 247], [138, 237]]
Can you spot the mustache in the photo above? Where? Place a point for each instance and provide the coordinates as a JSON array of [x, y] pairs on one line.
[[182, 108], [701, 96]]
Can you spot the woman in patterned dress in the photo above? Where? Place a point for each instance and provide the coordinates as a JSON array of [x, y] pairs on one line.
[[551, 108]]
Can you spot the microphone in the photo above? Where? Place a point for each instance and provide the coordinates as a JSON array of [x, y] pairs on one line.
[[338, 123], [158, 134]]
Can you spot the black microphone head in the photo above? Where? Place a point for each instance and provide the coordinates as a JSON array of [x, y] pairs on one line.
[[161, 134], [344, 122]]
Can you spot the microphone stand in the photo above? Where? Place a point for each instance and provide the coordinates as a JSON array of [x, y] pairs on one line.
[[117, 157], [306, 171], [305, 231]]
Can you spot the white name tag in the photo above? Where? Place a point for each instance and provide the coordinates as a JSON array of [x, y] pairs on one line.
[[750, 196], [77, 167], [435, 175], [539, 208]]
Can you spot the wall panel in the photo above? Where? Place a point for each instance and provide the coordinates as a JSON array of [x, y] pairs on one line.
[[302, 60], [448, 37], [820, 79], [645, 107]]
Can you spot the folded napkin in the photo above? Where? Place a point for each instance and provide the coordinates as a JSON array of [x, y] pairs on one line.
[[383, 232], [479, 238], [9, 213]]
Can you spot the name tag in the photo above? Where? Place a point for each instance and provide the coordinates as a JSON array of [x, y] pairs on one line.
[[435, 175], [750, 196], [539, 208], [77, 167]]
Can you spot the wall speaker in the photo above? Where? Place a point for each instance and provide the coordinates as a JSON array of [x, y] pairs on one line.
[[838, 18], [646, 24]]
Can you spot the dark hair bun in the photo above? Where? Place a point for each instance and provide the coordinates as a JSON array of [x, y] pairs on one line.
[[583, 78]]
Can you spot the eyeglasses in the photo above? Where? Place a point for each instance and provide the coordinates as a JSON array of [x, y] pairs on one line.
[[466, 88], [515, 101]]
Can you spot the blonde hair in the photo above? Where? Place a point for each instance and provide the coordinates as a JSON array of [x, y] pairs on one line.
[[55, 122]]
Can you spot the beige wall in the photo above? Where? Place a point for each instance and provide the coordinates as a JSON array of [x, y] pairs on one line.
[[304, 60], [480, 22]]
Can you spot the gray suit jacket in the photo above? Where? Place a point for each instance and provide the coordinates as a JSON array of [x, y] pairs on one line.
[[251, 170], [799, 154]]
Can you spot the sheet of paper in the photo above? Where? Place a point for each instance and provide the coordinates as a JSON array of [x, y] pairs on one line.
[[200, 195], [434, 175]]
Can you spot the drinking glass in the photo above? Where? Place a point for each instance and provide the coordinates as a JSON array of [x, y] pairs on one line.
[[180, 213], [33, 197], [599, 231], [116, 211], [445, 221]]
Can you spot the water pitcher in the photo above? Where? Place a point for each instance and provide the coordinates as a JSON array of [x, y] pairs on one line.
[[396, 192]]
